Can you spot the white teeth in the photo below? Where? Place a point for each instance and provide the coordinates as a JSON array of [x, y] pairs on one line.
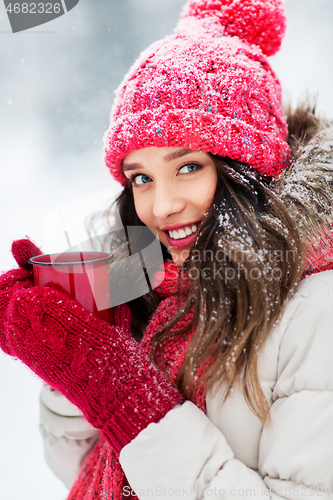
[[182, 233]]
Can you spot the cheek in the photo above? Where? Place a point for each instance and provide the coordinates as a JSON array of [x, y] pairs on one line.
[[142, 208], [207, 195]]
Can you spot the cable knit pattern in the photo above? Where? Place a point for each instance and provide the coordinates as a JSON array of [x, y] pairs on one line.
[[203, 89], [17, 279]]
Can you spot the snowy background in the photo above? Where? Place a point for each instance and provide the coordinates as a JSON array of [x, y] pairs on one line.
[[56, 91]]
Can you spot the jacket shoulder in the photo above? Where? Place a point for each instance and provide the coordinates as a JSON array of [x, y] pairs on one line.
[[318, 286], [306, 343]]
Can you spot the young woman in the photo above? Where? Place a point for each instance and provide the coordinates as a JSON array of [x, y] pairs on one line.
[[218, 383]]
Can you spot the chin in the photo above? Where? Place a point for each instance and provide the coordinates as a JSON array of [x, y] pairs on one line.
[[179, 259]]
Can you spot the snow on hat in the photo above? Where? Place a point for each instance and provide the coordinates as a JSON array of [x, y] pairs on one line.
[[207, 87]]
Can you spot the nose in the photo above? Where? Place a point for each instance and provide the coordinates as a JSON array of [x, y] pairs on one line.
[[167, 200]]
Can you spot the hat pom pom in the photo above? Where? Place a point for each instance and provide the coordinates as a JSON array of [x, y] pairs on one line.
[[259, 22]]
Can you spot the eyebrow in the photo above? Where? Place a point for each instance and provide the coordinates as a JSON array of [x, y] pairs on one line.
[[166, 159]]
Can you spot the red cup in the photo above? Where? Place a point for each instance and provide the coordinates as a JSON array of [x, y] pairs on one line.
[[85, 276]]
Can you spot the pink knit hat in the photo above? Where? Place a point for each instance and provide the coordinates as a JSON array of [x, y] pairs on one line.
[[208, 86]]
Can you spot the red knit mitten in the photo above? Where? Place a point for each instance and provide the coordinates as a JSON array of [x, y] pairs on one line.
[[100, 368], [14, 280]]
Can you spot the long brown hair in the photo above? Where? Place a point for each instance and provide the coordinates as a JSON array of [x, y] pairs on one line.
[[244, 265]]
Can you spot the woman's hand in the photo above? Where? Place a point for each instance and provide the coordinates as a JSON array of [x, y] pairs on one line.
[[14, 280], [99, 368]]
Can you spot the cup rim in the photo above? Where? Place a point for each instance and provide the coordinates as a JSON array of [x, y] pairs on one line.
[[32, 260]]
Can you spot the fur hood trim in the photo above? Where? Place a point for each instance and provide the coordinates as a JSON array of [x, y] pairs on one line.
[[306, 189]]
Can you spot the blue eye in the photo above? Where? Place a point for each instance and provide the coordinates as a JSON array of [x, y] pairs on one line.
[[139, 179], [191, 168]]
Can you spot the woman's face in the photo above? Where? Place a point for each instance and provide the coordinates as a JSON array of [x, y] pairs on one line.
[[173, 188]]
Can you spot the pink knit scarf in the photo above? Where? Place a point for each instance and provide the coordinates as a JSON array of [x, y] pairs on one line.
[[102, 477]]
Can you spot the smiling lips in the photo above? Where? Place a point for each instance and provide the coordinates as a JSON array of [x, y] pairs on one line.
[[182, 237], [182, 233]]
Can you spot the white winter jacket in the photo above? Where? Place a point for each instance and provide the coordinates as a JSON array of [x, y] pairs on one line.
[[228, 452]]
